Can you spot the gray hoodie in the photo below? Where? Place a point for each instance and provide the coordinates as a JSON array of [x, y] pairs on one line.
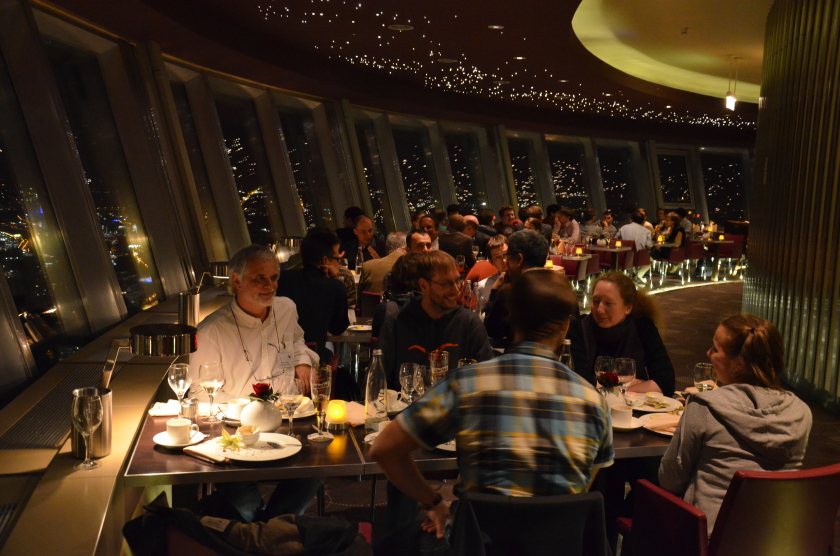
[[736, 427]]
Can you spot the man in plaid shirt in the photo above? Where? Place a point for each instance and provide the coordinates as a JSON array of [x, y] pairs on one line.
[[524, 424]]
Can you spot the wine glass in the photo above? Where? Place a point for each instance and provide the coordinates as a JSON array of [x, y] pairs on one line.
[[461, 260], [87, 416], [475, 251], [291, 396], [704, 379], [625, 369], [211, 378], [603, 364], [407, 371], [179, 380], [342, 262], [320, 380], [422, 380]]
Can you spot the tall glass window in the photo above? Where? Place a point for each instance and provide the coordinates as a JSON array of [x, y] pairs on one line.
[[724, 187], [465, 163], [210, 219], [616, 176], [566, 161], [673, 178], [249, 164], [307, 167], [383, 217], [524, 179], [417, 168], [89, 112], [32, 252]]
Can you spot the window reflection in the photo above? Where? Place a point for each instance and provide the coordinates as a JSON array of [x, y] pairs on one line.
[[382, 215], [31, 249], [415, 157], [88, 110], [566, 161], [210, 217], [615, 176], [249, 164], [465, 163], [307, 167], [522, 163], [724, 187], [673, 178]]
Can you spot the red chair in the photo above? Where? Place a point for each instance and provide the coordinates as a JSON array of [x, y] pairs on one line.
[[593, 267], [368, 303], [731, 251], [696, 253], [641, 258], [575, 271], [675, 257]]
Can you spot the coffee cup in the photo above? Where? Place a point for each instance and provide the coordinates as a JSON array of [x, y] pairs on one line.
[[622, 416], [234, 408], [180, 431]]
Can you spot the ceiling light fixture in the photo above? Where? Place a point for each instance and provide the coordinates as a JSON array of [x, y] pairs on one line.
[[496, 27], [563, 80], [519, 57], [447, 60], [731, 99], [398, 27]]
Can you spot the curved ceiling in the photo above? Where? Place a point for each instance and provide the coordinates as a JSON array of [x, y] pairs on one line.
[[454, 63], [690, 45]]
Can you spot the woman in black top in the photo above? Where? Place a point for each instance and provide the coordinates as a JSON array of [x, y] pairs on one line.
[[675, 236]]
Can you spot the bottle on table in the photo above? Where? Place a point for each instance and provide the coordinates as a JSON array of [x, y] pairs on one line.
[[360, 261], [566, 354], [376, 394], [466, 298]]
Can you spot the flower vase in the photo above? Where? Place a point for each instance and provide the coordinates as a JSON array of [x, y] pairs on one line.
[[262, 414]]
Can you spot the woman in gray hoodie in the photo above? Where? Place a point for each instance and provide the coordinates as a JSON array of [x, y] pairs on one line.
[[749, 423]]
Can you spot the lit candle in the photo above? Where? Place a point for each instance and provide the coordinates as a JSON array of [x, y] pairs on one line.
[[337, 412], [660, 238], [578, 250], [721, 237], [618, 243], [549, 263]]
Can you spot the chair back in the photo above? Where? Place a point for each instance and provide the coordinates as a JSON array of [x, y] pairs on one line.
[[695, 251], [677, 254], [732, 250], [626, 260], [778, 512], [492, 525], [641, 257], [557, 260], [665, 525], [369, 302], [593, 265]]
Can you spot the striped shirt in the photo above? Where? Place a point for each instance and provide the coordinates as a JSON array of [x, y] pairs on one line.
[[524, 424]]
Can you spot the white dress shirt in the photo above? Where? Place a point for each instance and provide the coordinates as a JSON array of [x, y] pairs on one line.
[[219, 340], [569, 229], [636, 233]]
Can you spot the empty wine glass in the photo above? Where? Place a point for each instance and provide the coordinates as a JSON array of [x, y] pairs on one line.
[[422, 380], [603, 364], [320, 381], [291, 396], [211, 378], [704, 379], [87, 416], [475, 250], [179, 379], [407, 371], [625, 369]]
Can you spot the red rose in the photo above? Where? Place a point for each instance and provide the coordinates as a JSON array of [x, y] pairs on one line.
[[608, 380], [261, 389]]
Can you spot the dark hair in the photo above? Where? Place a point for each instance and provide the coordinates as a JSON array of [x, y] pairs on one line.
[[536, 224], [534, 211], [682, 212], [453, 209], [760, 347], [566, 211], [433, 262], [589, 215], [540, 302], [552, 209], [403, 274], [637, 217], [531, 245], [507, 231], [317, 244], [523, 214], [485, 217], [606, 212], [504, 209], [351, 213], [417, 214], [643, 305], [494, 243], [456, 223], [432, 218], [439, 216], [411, 234]]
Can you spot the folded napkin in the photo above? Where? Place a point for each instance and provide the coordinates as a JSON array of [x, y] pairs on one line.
[[206, 451], [305, 405], [663, 423], [355, 414], [173, 408]]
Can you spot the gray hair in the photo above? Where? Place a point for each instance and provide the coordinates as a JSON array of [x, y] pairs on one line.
[[394, 241], [239, 262]]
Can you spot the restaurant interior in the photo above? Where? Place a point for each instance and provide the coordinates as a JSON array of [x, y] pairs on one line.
[[144, 142]]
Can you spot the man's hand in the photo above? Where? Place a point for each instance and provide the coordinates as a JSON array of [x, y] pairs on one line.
[[436, 520], [302, 372], [329, 270], [500, 282]]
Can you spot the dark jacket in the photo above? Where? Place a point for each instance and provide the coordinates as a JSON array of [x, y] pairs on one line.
[[350, 249], [480, 240], [489, 231], [546, 230], [456, 243], [411, 335]]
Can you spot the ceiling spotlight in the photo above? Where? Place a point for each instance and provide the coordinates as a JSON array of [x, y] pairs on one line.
[[398, 27], [501, 82], [447, 60], [731, 99], [519, 57], [496, 27], [607, 94], [669, 106], [563, 80]]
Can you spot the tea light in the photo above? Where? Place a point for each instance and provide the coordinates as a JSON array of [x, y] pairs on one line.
[[721, 237], [660, 238], [549, 263], [578, 250], [336, 417], [618, 243]]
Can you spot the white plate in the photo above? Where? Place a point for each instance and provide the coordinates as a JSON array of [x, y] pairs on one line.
[[447, 446], [371, 437], [635, 423], [232, 422], [360, 328], [163, 439], [646, 418], [671, 402], [299, 414], [261, 451]]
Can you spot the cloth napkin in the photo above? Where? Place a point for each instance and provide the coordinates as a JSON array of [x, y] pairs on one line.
[[355, 414], [172, 408], [663, 423], [206, 451]]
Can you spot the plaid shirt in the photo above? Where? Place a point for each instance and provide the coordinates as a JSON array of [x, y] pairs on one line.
[[524, 424]]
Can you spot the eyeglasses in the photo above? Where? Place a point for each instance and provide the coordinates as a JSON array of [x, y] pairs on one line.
[[449, 284]]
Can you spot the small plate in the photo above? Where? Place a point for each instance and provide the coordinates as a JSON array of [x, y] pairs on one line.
[[261, 451], [232, 422], [671, 403], [371, 437], [645, 419], [163, 439], [360, 328], [447, 446], [635, 423]]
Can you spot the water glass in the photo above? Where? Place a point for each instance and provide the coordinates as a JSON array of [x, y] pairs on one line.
[[407, 372], [179, 379], [422, 380], [320, 381], [291, 396], [87, 416], [625, 369], [439, 364], [211, 378], [704, 378]]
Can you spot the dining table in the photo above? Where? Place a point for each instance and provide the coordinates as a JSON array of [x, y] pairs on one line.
[[714, 246], [613, 250]]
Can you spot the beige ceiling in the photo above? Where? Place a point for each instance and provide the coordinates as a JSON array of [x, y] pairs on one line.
[[684, 44]]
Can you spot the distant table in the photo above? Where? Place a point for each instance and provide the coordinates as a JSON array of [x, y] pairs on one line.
[[354, 341], [576, 257], [613, 250], [715, 244]]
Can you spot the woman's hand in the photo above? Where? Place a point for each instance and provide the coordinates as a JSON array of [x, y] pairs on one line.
[[644, 386], [436, 520]]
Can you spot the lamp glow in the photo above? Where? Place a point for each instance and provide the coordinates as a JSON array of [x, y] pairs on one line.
[[618, 243], [730, 101], [549, 263], [578, 250], [721, 237], [337, 412]]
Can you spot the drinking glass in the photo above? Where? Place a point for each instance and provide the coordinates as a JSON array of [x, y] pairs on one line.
[[407, 371], [439, 364], [343, 263], [422, 380], [320, 381], [704, 378], [603, 364], [625, 369], [463, 362], [211, 378], [87, 416], [291, 395], [461, 260], [179, 379], [475, 251]]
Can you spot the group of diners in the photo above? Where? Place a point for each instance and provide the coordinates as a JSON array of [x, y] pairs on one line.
[[524, 424]]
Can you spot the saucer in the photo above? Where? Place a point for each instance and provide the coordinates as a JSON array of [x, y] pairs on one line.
[[635, 423], [163, 439], [232, 422]]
